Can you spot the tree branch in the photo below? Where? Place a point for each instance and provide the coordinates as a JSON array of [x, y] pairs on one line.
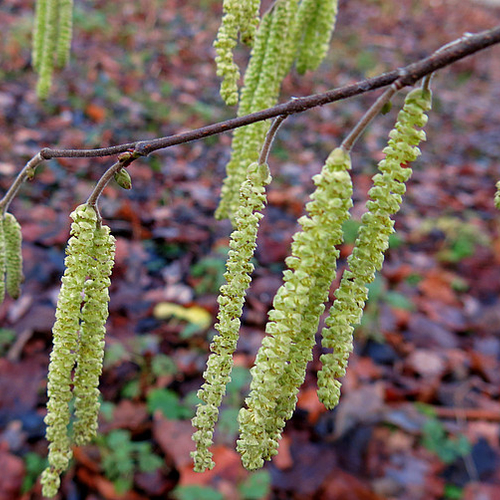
[[467, 45]]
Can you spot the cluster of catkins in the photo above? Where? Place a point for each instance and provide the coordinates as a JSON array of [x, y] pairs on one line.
[[78, 341], [281, 362], [290, 31], [52, 40]]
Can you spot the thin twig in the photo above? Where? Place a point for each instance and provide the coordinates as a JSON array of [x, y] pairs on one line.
[[355, 133], [452, 52], [445, 56], [26, 173], [271, 134], [124, 160]]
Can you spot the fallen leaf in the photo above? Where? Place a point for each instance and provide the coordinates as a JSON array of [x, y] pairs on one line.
[[13, 472], [195, 315]]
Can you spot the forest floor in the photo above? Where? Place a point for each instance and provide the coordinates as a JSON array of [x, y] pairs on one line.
[[420, 413]]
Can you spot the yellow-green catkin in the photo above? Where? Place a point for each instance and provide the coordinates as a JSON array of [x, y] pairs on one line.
[[78, 338], [39, 32], [231, 299], [254, 69], [92, 331], [497, 195], [13, 256], [51, 40], [65, 32], [3, 263], [372, 241], [240, 16], [65, 333], [317, 22], [281, 361], [46, 52], [270, 61]]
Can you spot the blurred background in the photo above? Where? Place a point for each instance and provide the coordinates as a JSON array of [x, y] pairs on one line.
[[420, 412]]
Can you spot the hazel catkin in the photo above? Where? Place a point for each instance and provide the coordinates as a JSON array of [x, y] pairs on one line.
[[373, 239], [78, 338], [13, 255], [231, 299], [282, 359]]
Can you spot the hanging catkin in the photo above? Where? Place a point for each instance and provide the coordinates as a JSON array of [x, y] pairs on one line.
[[232, 295], [46, 51], [92, 330], [239, 16], [3, 262], [51, 40], [281, 361], [316, 19], [270, 61], [65, 32], [39, 32], [13, 256], [372, 241], [88, 263], [65, 344]]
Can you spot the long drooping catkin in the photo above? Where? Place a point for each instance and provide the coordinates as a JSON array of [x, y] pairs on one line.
[[240, 16], [77, 338], [231, 299], [316, 19], [280, 364], [92, 330], [373, 239], [271, 60], [13, 256], [53, 31]]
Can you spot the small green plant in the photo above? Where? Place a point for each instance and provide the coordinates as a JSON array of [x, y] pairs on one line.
[[195, 492], [235, 391], [34, 465], [256, 486], [379, 294], [6, 338], [453, 492], [150, 367], [208, 273], [440, 442], [461, 238], [170, 404], [121, 458]]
